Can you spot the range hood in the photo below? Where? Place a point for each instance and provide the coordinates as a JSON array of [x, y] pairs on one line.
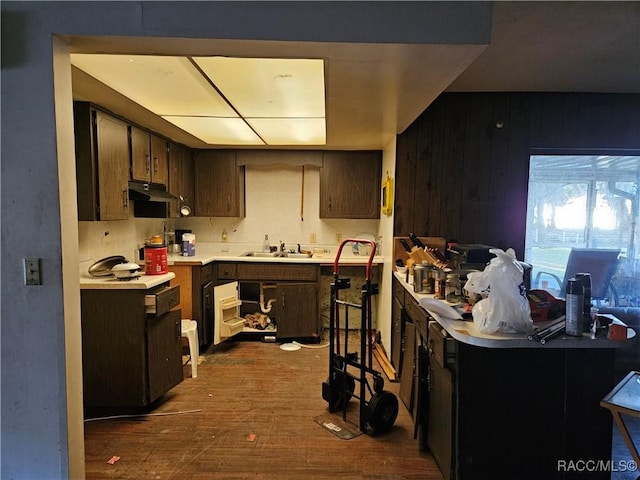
[[149, 193]]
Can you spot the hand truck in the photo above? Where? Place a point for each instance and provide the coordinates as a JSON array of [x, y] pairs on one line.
[[381, 409]]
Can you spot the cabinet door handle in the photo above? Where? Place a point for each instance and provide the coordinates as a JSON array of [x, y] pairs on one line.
[[178, 329], [228, 203], [125, 197], [148, 162], [282, 299]]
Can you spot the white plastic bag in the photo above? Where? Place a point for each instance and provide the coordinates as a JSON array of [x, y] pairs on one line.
[[506, 307]]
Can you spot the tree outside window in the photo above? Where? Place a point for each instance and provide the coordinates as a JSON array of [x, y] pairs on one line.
[[586, 201]]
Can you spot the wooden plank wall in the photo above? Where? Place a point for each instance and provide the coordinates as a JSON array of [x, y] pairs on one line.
[[462, 167]]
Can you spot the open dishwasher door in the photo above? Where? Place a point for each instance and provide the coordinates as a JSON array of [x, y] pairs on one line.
[[227, 321]]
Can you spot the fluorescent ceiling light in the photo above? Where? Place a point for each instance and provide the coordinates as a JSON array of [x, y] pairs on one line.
[[282, 100], [163, 85], [269, 87], [290, 131], [217, 131]]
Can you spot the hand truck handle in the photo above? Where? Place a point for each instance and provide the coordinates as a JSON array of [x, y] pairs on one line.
[[372, 254]]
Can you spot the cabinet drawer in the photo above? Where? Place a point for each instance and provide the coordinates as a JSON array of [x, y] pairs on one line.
[[261, 271], [227, 271], [206, 274], [441, 346], [161, 301], [418, 315]]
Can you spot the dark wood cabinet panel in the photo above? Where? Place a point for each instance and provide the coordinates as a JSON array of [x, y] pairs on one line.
[[129, 358], [408, 366], [350, 184], [219, 184], [297, 310], [140, 155], [397, 327], [149, 161], [225, 271], [102, 164], [440, 417], [262, 271], [159, 160], [164, 346], [462, 166], [396, 334], [181, 178]]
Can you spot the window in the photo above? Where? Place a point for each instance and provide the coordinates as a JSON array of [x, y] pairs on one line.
[[584, 201]]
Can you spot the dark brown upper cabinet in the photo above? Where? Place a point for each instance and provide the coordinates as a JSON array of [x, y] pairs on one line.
[[102, 164], [219, 184], [149, 158], [350, 183], [181, 178]]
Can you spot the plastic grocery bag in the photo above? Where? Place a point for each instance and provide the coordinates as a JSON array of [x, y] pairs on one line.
[[505, 308]]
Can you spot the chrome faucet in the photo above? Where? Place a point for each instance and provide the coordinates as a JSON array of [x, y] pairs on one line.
[[281, 246]]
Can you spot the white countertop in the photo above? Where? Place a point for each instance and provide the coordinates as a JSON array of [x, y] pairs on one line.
[[467, 331], [206, 255], [143, 282]]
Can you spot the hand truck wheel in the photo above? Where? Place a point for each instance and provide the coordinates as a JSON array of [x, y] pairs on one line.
[[338, 397], [378, 383], [383, 411]]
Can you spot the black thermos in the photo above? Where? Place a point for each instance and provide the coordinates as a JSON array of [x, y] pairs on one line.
[[575, 306], [585, 280]]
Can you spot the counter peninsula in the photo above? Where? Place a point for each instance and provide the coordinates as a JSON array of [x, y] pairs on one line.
[[504, 407]]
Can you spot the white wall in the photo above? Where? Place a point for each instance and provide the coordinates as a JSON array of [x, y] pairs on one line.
[[386, 232]]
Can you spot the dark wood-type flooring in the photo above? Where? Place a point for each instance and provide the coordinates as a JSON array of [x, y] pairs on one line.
[[255, 405]]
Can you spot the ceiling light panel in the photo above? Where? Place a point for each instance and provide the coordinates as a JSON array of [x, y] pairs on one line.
[[164, 85], [269, 87], [217, 131], [290, 131]]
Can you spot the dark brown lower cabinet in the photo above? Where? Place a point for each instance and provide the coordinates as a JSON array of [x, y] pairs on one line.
[[407, 376], [397, 308], [292, 287], [296, 311], [504, 413], [516, 412], [129, 357], [440, 407]]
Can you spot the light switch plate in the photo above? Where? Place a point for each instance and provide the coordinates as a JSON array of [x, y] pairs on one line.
[[32, 271]]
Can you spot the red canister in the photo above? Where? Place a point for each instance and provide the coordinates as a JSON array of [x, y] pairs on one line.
[[155, 259]]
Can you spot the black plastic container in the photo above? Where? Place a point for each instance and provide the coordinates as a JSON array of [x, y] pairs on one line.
[[585, 280]]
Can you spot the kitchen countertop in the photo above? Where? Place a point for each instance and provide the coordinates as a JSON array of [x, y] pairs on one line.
[[204, 256], [143, 282], [466, 331]]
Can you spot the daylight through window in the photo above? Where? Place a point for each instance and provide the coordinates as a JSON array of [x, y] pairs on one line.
[[584, 202]]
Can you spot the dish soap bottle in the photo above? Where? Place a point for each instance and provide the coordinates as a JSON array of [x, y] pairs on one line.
[[265, 245]]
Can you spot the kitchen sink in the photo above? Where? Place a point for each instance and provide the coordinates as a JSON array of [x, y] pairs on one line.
[[276, 254], [262, 254], [298, 255]]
